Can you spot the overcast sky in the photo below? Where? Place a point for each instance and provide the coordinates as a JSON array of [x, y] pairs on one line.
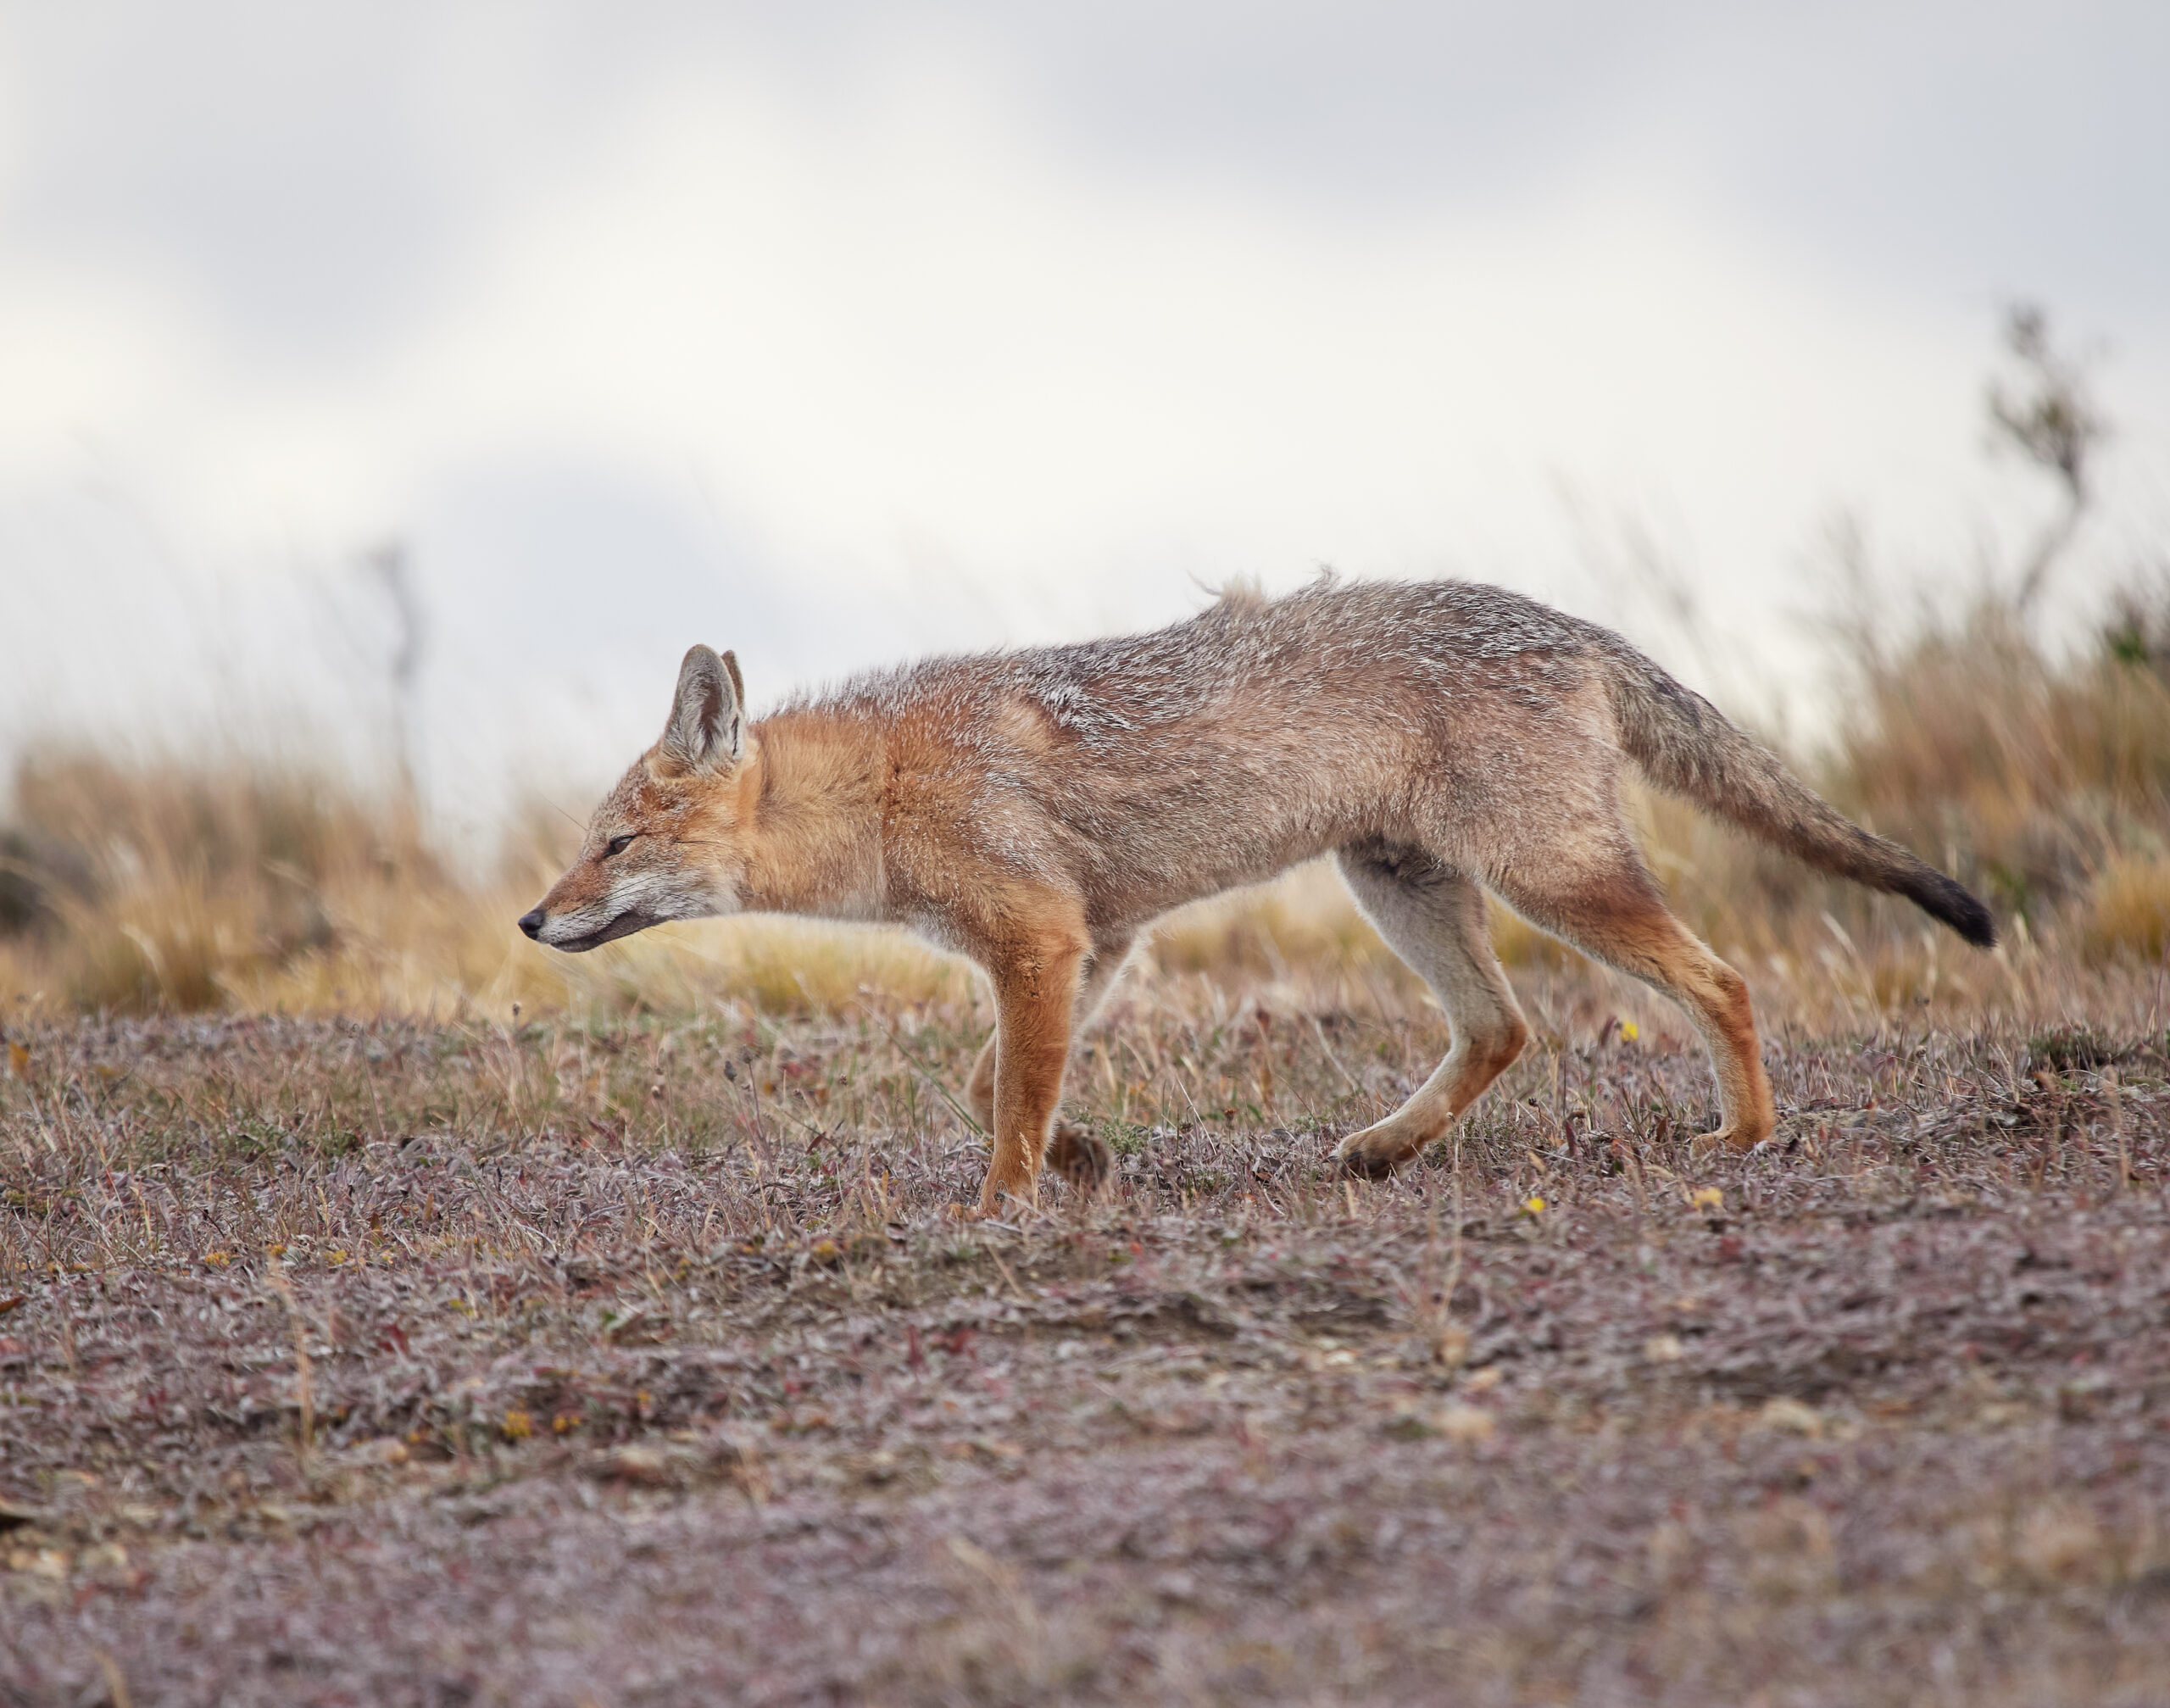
[[835, 332]]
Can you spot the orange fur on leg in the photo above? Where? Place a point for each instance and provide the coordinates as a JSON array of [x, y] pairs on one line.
[[1035, 993], [1620, 919]]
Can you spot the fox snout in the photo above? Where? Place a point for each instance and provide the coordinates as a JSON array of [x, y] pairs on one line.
[[583, 910], [603, 920], [612, 894]]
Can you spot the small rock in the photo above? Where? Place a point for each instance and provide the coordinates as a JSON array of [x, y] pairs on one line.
[[643, 1466], [1792, 1416], [2061, 1541]]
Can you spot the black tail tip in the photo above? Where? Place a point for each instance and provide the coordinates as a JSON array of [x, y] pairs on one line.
[[1961, 910], [1977, 927]]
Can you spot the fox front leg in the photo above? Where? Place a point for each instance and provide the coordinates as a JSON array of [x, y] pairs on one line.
[[1072, 1149], [1035, 993]]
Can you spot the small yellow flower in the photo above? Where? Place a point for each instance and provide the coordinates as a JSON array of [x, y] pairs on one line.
[[1708, 1198], [1534, 1205], [337, 1258], [518, 1425], [217, 1259], [563, 1422], [1630, 1031]]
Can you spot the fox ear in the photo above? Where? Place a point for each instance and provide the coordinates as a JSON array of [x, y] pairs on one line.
[[707, 728]]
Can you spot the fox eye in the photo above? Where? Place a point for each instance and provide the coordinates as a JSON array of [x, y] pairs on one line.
[[617, 845]]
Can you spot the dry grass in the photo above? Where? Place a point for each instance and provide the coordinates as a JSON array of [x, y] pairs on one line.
[[365, 1337], [2042, 781], [2128, 910], [644, 1362]]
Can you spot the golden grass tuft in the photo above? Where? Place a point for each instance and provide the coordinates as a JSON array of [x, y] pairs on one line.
[[2127, 911]]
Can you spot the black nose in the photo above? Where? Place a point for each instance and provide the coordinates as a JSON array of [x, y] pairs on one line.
[[531, 923]]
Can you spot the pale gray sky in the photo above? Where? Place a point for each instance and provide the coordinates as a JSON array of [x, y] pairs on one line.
[[837, 331]]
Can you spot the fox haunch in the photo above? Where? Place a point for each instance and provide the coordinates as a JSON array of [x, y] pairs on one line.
[[1036, 811]]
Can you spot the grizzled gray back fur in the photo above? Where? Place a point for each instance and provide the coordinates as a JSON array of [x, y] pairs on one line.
[[1464, 724]]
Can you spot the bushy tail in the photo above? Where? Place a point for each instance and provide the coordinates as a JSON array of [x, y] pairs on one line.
[[1685, 745]]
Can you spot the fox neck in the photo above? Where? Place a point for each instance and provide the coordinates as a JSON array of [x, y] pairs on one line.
[[813, 816]]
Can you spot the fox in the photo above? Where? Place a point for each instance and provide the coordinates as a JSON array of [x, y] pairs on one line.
[[1035, 810]]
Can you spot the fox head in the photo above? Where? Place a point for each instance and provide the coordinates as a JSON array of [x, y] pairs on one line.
[[666, 843]]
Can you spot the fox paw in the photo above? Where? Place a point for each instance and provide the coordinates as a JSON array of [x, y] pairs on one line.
[[1727, 1138], [1078, 1154], [1374, 1153]]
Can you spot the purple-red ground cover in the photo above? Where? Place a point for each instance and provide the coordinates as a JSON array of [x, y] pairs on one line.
[[405, 1364]]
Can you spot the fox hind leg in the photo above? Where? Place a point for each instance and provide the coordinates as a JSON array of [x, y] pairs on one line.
[[1432, 916], [1614, 913]]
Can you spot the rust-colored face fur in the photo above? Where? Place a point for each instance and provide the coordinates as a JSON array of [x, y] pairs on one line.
[[665, 843]]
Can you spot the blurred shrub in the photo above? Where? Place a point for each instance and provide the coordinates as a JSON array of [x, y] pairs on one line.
[[179, 885], [2127, 911]]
